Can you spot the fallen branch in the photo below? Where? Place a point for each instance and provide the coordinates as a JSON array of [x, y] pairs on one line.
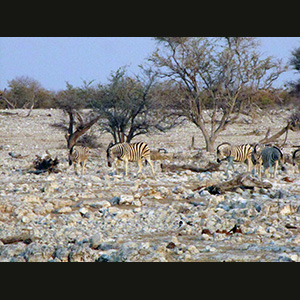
[[244, 180], [13, 155], [210, 167], [273, 138]]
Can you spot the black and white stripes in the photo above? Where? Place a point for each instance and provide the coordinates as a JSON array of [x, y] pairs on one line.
[[231, 153], [126, 152]]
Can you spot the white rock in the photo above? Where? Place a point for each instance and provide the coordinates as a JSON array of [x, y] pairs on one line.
[[126, 199], [31, 199], [205, 193], [101, 204], [65, 209], [25, 219], [95, 179], [192, 249], [136, 202], [51, 177], [83, 210], [209, 249], [123, 214], [286, 210]]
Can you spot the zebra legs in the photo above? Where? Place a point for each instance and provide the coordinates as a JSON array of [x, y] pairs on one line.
[[83, 166], [148, 160], [140, 166], [275, 168], [151, 165], [230, 163], [250, 165], [258, 169], [269, 167], [76, 168], [126, 166]]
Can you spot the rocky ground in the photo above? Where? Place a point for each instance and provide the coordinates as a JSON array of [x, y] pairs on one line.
[[102, 216]]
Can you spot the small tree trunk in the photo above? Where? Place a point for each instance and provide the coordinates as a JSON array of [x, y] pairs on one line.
[[82, 128], [209, 142]]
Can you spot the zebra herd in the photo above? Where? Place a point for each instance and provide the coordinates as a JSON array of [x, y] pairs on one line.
[[125, 152], [256, 156]]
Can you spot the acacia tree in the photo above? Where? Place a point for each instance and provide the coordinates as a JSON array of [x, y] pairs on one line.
[[25, 92], [127, 107], [212, 73]]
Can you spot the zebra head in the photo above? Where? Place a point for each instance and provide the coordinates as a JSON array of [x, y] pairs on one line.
[[296, 156], [256, 153], [223, 151], [110, 155]]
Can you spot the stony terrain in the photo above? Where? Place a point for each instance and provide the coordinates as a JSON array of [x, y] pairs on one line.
[[102, 216]]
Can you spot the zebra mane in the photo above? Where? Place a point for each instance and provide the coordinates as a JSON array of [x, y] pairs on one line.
[[255, 147], [294, 153], [225, 143], [111, 144], [278, 150]]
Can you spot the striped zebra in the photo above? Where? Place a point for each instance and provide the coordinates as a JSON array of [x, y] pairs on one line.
[[79, 155], [126, 152], [296, 159], [241, 153], [267, 157]]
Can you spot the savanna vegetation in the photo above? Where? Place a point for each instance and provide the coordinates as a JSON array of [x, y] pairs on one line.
[[206, 81]]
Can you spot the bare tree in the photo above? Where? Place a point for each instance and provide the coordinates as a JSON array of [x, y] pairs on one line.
[[81, 129], [212, 73]]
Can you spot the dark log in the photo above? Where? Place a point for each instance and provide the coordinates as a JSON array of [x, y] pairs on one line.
[[210, 167], [244, 180]]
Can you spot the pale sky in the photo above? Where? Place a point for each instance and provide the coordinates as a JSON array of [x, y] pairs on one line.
[[54, 60]]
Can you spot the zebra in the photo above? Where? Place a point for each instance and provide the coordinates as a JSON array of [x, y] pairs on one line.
[[256, 158], [296, 158], [129, 152], [268, 157], [231, 153], [79, 155]]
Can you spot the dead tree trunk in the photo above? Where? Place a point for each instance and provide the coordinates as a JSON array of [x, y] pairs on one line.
[[82, 128], [273, 138], [11, 106]]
